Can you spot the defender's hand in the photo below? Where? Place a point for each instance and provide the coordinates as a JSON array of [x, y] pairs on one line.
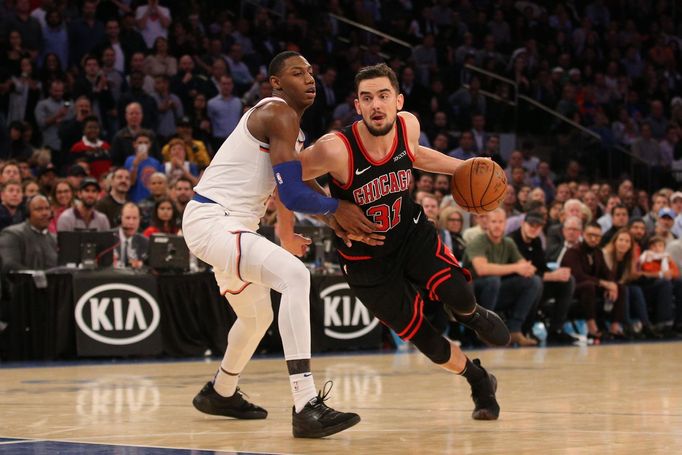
[[353, 220]]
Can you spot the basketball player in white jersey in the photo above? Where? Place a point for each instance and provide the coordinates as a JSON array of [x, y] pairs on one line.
[[220, 225]]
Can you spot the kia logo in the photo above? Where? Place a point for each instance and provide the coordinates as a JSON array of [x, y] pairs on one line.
[[342, 311], [117, 314]]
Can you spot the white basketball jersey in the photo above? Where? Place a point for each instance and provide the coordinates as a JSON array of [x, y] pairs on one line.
[[240, 176]]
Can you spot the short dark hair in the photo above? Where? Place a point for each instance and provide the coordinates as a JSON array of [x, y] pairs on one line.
[[91, 118], [618, 206], [181, 179], [376, 71], [593, 224], [277, 63], [144, 133]]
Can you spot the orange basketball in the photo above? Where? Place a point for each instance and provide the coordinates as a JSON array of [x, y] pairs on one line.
[[479, 185]]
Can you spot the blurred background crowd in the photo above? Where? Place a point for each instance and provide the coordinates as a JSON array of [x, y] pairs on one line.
[[110, 109]]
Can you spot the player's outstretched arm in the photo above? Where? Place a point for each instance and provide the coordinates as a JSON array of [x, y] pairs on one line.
[[427, 159]]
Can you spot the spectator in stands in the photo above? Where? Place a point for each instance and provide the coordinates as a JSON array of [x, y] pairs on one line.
[[27, 26], [30, 188], [50, 113], [9, 172], [160, 62], [28, 245], [619, 220], [25, 91], [11, 198], [605, 221], [132, 248], [571, 232], [658, 201], [592, 275], [62, 198], [178, 166], [85, 33], [92, 148], [509, 202], [83, 214], [430, 206], [75, 175], [158, 189], [169, 108], [153, 21], [122, 146], [71, 131], [196, 150], [201, 124], [18, 149], [181, 192], [664, 224], [164, 219], [188, 82], [95, 87], [503, 278], [138, 94], [450, 224], [479, 228], [661, 271], [111, 204], [141, 166], [556, 284], [241, 74], [224, 111], [466, 148]]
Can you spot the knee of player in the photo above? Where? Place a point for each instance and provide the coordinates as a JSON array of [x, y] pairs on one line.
[[297, 274]]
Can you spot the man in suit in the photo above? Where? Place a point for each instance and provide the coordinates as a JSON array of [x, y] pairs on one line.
[[571, 231], [555, 236], [28, 245], [132, 248]]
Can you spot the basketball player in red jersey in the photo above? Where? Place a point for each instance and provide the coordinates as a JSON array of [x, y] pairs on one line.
[[370, 163]]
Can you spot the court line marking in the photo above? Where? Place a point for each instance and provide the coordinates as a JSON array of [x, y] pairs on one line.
[[69, 441], [21, 441]]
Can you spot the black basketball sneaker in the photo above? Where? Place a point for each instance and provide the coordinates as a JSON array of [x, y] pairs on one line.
[[483, 394], [317, 420], [210, 402], [487, 325]]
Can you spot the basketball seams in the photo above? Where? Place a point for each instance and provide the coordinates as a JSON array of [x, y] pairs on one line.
[[472, 206], [492, 174]]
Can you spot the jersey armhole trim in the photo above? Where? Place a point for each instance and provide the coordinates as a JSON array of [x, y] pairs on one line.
[[349, 150], [407, 144]]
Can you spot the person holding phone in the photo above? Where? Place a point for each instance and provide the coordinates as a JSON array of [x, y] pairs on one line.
[[141, 166]]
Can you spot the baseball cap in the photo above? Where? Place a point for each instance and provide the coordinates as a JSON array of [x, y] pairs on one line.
[[77, 171], [534, 217], [184, 121], [89, 181], [666, 211], [676, 195]]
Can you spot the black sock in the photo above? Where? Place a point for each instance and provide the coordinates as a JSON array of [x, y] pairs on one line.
[[472, 372]]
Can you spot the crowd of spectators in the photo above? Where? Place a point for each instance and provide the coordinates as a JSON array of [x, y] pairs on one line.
[[110, 110]]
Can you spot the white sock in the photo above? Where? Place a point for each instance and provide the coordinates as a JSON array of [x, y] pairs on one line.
[[224, 383], [303, 389]]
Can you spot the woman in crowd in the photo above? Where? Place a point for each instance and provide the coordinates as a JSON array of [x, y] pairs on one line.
[[61, 199], [450, 227], [160, 63], [177, 165], [164, 219], [619, 257]]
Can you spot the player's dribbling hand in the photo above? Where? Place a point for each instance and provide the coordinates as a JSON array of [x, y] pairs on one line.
[[297, 244], [352, 219]]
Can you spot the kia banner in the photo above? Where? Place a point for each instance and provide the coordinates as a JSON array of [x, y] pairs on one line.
[[339, 319], [116, 314]]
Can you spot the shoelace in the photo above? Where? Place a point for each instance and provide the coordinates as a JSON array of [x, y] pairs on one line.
[[323, 394]]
